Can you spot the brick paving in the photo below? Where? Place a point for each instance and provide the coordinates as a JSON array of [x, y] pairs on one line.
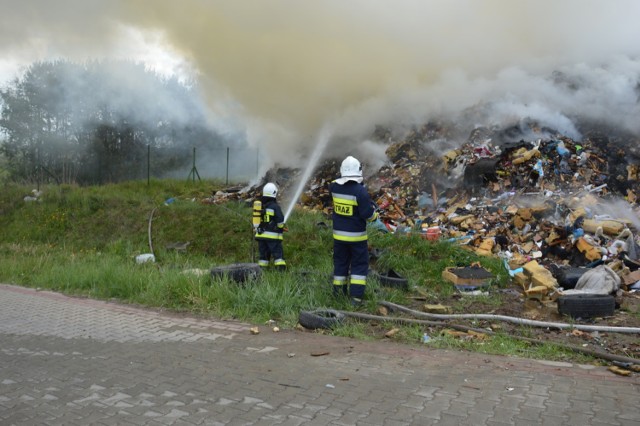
[[73, 361]]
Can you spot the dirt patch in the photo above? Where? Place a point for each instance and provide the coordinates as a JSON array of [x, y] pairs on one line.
[[511, 303]]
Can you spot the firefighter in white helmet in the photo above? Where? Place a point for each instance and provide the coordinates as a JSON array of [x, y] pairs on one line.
[[352, 209], [269, 227]]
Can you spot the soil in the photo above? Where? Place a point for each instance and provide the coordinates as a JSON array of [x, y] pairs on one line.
[[627, 314]]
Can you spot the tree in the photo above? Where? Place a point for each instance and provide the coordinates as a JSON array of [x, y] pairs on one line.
[[92, 123]]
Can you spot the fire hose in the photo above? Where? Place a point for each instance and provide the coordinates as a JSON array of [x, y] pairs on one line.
[[515, 320], [149, 230], [617, 359]]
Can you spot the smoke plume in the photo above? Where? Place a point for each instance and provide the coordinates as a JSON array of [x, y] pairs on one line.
[[283, 69]]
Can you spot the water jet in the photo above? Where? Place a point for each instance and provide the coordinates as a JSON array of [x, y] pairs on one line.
[[321, 145]]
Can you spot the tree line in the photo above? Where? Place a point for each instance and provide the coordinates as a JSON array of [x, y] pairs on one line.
[[95, 123]]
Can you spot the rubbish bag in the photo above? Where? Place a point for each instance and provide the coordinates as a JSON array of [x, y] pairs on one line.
[[632, 247], [599, 280], [378, 225]]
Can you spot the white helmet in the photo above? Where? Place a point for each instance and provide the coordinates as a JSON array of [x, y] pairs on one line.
[[270, 190], [351, 168]]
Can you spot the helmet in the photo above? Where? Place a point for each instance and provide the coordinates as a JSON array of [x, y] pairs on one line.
[[270, 190], [350, 168]]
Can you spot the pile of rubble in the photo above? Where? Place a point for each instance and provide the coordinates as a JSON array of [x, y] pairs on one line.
[[543, 204]]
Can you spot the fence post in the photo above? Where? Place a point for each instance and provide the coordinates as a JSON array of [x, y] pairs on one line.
[[38, 171], [148, 164], [194, 172], [227, 180]]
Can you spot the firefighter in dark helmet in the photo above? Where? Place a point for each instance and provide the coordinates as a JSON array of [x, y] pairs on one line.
[[268, 222], [352, 209]]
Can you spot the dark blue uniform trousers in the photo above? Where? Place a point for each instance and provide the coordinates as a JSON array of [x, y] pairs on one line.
[[269, 248], [350, 259]]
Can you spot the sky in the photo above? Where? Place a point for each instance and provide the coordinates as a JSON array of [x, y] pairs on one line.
[[285, 71]]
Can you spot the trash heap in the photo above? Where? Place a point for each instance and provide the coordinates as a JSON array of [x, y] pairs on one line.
[[544, 204]]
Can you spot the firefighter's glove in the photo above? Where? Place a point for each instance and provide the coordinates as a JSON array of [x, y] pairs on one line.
[[285, 229], [259, 230]]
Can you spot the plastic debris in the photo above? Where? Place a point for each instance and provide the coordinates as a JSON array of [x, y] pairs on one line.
[[145, 258]]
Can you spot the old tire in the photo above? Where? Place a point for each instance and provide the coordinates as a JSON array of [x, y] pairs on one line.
[[391, 279], [586, 305], [238, 272], [568, 277], [320, 318]]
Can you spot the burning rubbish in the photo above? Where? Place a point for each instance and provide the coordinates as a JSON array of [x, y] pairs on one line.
[[551, 207]]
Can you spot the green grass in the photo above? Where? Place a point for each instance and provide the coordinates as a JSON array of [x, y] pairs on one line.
[[83, 241], [500, 344]]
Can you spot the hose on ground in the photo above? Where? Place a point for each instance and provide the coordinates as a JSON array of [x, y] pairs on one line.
[[149, 230], [590, 352], [514, 320]]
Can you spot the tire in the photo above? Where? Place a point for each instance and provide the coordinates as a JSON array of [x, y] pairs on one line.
[[586, 305], [320, 318], [568, 276], [391, 279], [238, 272]]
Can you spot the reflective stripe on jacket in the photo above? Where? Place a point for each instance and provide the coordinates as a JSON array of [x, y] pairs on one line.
[[272, 220], [352, 208]]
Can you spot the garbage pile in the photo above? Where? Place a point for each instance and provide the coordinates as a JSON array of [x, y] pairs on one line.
[[551, 207]]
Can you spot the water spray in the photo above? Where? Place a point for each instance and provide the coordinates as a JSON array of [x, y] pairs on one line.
[[321, 144]]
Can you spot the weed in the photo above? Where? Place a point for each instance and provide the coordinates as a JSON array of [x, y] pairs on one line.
[[85, 240]]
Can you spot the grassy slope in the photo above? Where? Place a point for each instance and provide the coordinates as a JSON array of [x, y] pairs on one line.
[[112, 222], [84, 241]]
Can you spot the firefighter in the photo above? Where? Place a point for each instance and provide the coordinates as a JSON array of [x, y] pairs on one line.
[[352, 209], [269, 226]]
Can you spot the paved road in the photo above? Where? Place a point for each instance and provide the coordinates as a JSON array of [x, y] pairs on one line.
[[70, 361]]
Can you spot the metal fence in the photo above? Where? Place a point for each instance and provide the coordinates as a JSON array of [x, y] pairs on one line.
[[226, 164]]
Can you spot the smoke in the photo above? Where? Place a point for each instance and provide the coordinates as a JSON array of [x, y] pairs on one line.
[[281, 69], [617, 209]]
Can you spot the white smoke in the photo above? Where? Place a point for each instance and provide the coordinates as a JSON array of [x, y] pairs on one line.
[[283, 68]]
